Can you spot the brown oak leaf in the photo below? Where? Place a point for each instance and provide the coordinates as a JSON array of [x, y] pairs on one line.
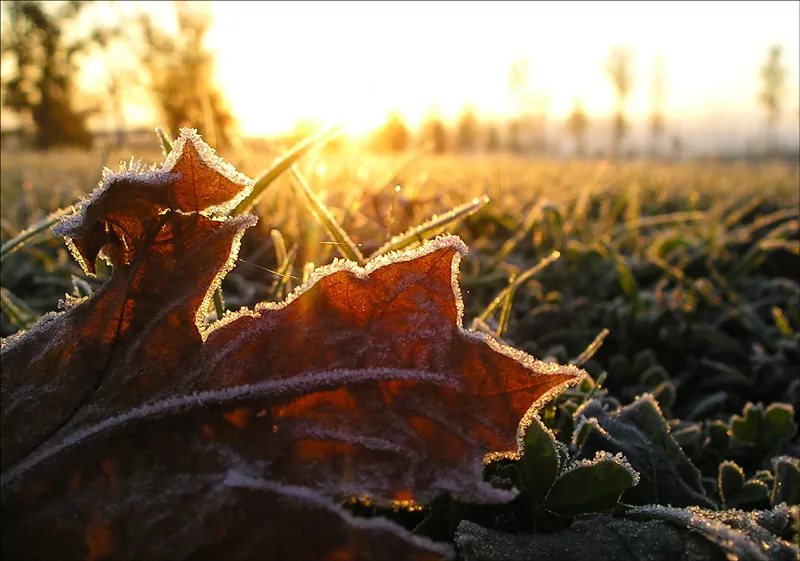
[[133, 430]]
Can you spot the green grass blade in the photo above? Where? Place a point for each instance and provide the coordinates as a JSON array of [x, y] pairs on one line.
[[164, 139], [308, 268], [780, 320], [344, 244], [593, 347], [283, 282], [505, 312], [17, 311], [519, 281], [530, 220], [430, 228], [219, 305], [25, 236], [280, 246], [626, 279], [284, 163]]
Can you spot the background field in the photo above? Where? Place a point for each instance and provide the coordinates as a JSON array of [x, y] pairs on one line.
[[692, 268], [694, 262]]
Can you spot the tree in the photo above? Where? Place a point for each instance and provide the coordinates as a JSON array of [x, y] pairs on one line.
[[493, 143], [619, 70], [773, 78], [181, 75], [467, 130], [514, 143], [393, 136], [657, 120], [434, 133], [577, 124], [45, 61]]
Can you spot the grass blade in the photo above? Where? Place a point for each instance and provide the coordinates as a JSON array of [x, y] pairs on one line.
[[528, 223], [345, 245], [26, 235], [280, 246], [430, 228], [519, 281], [284, 163], [505, 312], [283, 283], [17, 311], [165, 140], [593, 347]]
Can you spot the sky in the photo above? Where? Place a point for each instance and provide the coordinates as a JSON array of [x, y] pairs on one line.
[[280, 62]]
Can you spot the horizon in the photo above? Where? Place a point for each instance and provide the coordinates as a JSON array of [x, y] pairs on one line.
[[340, 61]]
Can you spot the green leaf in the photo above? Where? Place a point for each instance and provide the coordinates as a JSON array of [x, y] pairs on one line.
[[764, 427], [640, 433], [730, 478], [778, 423], [786, 487], [719, 434], [591, 486], [752, 495], [540, 460]]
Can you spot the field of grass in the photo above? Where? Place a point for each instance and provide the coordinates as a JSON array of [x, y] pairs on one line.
[[693, 268]]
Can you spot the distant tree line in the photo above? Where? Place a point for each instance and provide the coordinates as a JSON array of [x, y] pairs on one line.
[[175, 74], [524, 133]]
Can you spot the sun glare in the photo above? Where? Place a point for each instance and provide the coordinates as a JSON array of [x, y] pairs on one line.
[[281, 64]]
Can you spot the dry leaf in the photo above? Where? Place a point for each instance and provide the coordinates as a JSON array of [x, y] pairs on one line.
[[133, 430]]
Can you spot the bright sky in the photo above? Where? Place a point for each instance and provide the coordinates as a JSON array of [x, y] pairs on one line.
[[283, 61]]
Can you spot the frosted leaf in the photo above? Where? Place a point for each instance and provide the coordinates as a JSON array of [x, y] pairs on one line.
[[364, 381], [640, 432], [601, 457], [598, 538], [739, 534], [125, 208]]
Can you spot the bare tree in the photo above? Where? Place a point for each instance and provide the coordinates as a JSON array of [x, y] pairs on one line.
[[619, 68], [657, 119], [577, 125], [45, 61], [181, 75], [773, 78]]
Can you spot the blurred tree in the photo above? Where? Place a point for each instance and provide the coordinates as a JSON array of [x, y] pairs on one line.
[[434, 132], [181, 75], [467, 130], [619, 70], [393, 136], [577, 125], [773, 78], [493, 143], [45, 62], [514, 143], [657, 119]]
